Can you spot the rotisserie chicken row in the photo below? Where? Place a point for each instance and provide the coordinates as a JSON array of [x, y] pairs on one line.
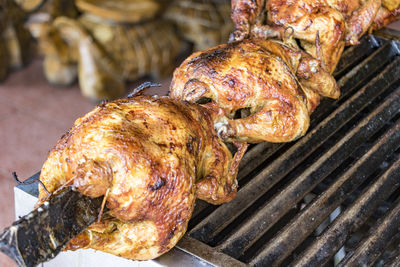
[[262, 90], [150, 157]]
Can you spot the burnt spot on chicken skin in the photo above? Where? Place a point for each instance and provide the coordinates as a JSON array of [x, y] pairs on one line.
[[189, 144], [160, 183]]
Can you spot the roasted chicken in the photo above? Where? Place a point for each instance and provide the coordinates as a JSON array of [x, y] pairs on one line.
[[323, 27], [150, 157], [262, 90]]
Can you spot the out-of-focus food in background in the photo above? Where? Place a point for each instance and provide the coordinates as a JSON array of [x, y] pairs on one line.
[[105, 44], [203, 23], [15, 39]]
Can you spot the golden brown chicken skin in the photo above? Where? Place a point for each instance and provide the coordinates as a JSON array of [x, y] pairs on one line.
[[150, 157], [264, 91], [323, 26]]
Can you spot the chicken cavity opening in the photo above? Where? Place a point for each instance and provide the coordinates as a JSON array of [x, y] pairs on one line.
[[203, 100], [241, 113]]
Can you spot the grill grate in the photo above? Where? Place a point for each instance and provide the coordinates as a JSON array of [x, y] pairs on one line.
[[349, 161]]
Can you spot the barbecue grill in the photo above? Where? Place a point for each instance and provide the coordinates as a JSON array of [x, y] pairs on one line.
[[331, 197]]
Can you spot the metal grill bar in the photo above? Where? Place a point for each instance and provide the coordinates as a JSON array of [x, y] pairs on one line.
[[333, 238], [260, 184], [361, 73], [355, 54], [200, 206], [358, 74], [205, 252], [393, 260], [255, 157], [379, 237], [280, 204]]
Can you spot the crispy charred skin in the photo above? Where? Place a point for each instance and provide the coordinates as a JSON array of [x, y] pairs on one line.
[[151, 157], [262, 90], [323, 27]]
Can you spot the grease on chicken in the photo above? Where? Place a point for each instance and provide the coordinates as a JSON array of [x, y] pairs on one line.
[[151, 157]]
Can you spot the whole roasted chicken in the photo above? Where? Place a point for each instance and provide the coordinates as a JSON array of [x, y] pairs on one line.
[[150, 157], [323, 27], [263, 90]]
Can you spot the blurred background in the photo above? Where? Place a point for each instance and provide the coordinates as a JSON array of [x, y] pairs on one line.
[[60, 58]]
